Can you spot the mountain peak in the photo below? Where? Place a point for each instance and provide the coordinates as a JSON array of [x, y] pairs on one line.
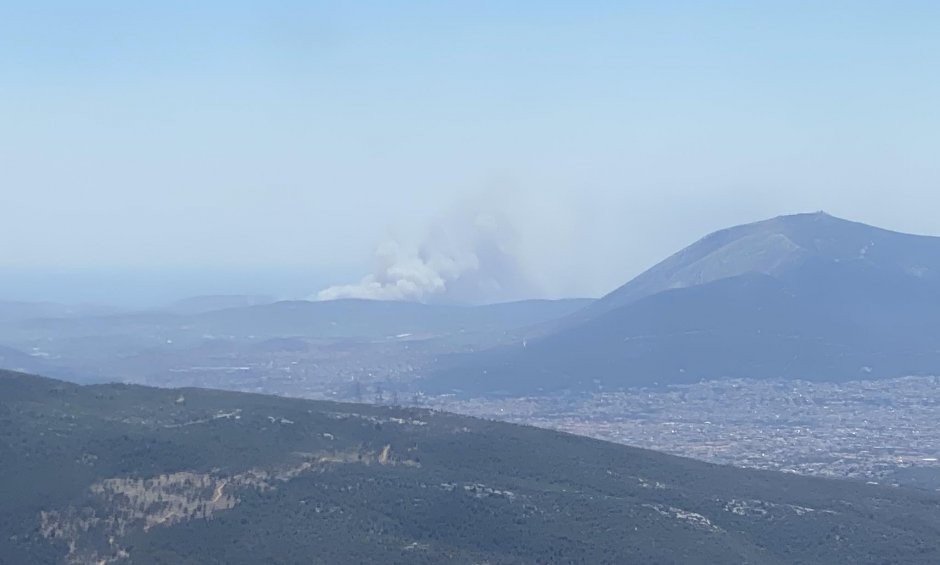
[[806, 296], [776, 246]]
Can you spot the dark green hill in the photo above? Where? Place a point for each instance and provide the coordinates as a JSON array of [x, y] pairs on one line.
[[128, 474]]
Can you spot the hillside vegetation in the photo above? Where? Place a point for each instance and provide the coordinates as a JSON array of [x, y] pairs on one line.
[[129, 474]]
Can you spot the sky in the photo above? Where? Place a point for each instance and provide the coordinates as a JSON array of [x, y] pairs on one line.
[[150, 150]]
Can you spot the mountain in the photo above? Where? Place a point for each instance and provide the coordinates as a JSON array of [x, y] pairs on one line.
[[782, 247], [129, 474], [16, 360], [807, 296]]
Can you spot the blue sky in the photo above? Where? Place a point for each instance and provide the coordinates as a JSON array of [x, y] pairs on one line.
[[297, 136]]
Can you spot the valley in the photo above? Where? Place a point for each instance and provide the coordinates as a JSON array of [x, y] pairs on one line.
[[775, 345], [880, 431]]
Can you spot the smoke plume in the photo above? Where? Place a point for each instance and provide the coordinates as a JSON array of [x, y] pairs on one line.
[[467, 259]]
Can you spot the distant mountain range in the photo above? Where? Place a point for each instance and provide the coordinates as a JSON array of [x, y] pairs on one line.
[[14, 311], [302, 318], [150, 345], [126, 474], [373, 318], [17, 360], [208, 303], [808, 296]]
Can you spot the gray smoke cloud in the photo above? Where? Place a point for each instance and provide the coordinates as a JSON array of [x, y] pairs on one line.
[[467, 259]]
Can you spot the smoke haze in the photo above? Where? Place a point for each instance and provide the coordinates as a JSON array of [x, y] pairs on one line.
[[464, 259], [230, 149]]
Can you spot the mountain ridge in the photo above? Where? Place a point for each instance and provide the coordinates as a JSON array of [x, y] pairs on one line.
[[808, 296], [774, 244]]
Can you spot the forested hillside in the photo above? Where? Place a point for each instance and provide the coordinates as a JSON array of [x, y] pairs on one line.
[[128, 474]]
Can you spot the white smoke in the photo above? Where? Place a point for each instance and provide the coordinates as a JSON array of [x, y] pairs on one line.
[[466, 259]]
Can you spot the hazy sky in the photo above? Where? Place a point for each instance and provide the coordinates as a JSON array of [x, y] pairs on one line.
[[296, 137]]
